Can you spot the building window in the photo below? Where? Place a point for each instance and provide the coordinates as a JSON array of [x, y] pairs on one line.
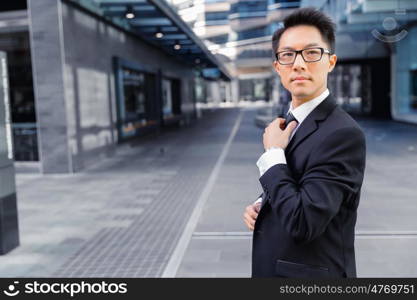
[[134, 95], [136, 112], [13, 5], [253, 33], [255, 89], [220, 39], [248, 7], [283, 4], [413, 90], [350, 85], [215, 16], [22, 100]]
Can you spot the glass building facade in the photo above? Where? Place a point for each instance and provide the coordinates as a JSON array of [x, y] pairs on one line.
[[375, 43], [242, 33]]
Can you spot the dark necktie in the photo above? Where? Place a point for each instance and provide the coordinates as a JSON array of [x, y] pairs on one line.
[[289, 118]]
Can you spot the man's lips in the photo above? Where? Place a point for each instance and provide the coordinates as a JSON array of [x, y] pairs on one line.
[[299, 78]]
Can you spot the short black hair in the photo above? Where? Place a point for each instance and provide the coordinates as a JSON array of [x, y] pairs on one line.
[[308, 16]]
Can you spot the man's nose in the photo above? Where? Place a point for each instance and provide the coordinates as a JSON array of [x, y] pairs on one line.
[[299, 62]]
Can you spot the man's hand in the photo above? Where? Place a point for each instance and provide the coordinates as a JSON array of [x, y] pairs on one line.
[[250, 215], [276, 136]]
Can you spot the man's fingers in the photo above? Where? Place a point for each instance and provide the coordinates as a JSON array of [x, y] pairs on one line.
[[250, 210], [290, 128], [249, 225], [279, 122], [249, 217], [276, 122]]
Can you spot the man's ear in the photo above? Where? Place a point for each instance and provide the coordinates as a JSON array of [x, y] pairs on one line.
[[276, 66], [332, 62]]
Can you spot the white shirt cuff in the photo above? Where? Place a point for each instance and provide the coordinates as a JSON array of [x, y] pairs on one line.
[[257, 201], [270, 158]]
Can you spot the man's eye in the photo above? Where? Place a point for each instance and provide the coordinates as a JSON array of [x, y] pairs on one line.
[[287, 54], [313, 52]]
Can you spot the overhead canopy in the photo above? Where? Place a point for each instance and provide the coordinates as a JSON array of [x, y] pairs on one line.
[[156, 22]]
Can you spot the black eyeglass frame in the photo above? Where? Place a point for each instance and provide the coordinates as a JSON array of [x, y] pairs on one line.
[[323, 50]]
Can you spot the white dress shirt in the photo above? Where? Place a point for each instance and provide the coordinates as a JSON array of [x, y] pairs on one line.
[[274, 156]]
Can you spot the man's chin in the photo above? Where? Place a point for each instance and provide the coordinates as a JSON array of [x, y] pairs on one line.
[[300, 93]]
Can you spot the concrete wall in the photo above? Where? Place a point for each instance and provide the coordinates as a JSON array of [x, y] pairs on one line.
[[85, 46]]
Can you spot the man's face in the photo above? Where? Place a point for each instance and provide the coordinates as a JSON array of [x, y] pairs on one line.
[[315, 73]]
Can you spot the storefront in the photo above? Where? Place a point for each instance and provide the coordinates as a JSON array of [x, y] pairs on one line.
[[137, 105], [356, 86], [82, 82], [22, 101], [255, 89]]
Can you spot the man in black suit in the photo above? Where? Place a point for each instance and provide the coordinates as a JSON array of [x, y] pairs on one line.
[[313, 165]]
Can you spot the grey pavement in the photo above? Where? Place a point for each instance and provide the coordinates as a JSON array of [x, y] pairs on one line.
[[121, 218], [179, 196]]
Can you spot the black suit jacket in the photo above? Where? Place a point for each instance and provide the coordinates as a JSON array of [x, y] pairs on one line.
[[306, 224]]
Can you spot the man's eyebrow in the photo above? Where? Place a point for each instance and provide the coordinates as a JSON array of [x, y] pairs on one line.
[[306, 46], [311, 45]]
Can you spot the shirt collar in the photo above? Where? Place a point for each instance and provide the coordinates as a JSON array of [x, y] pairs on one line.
[[302, 111]]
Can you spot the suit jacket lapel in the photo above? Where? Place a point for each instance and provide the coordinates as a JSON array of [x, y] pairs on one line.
[[309, 125]]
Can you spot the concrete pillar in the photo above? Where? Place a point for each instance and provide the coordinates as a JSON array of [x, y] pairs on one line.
[[234, 85], [47, 51]]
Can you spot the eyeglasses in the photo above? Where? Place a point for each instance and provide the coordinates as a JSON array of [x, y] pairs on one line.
[[288, 57]]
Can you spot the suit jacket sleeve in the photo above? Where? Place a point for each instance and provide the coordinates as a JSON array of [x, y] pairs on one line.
[[334, 174]]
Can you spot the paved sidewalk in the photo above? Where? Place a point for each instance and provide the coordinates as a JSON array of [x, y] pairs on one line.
[[148, 211], [123, 217]]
